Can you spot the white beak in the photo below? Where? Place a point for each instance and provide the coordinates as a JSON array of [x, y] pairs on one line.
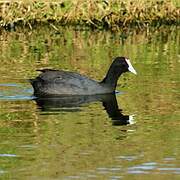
[[130, 68]]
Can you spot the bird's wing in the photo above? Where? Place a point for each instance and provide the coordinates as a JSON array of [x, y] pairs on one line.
[[63, 78]]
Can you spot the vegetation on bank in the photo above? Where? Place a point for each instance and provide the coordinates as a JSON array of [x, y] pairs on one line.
[[110, 14]]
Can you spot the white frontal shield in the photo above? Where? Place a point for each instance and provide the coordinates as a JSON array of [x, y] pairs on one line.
[[130, 68]]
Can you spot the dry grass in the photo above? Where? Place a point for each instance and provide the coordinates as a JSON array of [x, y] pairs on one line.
[[111, 14]]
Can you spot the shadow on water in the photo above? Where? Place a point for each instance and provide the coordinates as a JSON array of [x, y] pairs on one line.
[[72, 104]]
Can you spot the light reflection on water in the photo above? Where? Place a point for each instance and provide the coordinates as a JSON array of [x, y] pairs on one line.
[[113, 172], [13, 91], [8, 155], [90, 137]]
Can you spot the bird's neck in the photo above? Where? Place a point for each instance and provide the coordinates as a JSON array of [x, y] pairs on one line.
[[111, 78]]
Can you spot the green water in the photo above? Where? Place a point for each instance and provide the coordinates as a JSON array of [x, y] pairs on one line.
[[80, 138]]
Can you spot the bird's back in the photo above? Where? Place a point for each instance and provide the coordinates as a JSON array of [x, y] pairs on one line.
[[58, 82]]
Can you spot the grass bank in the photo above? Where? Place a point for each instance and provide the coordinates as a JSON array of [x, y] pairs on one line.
[[110, 14]]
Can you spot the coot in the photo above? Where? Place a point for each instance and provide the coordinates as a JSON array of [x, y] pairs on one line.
[[58, 82]]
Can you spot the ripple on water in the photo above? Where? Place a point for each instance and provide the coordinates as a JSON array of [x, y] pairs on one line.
[[13, 91], [154, 168], [8, 155], [128, 158]]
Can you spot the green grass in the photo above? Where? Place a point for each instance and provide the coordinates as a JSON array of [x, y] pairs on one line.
[[110, 14]]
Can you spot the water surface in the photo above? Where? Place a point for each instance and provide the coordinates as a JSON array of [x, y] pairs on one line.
[[90, 137]]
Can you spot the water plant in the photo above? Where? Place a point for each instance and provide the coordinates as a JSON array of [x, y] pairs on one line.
[[111, 14]]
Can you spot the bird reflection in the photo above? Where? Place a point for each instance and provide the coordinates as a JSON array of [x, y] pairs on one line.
[[73, 104]]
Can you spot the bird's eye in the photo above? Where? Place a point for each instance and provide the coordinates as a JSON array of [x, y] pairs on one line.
[[124, 64]]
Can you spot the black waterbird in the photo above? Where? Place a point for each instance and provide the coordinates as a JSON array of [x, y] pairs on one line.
[[59, 83]]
